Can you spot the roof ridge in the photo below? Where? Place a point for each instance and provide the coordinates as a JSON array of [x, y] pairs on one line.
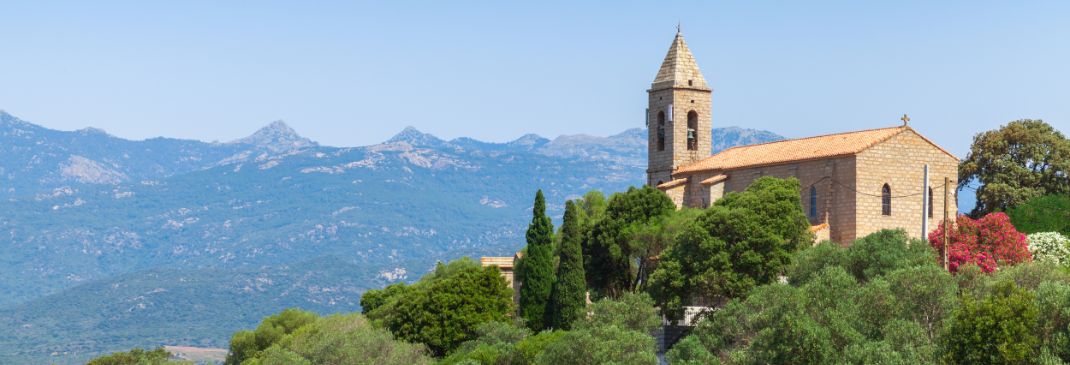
[[812, 137]]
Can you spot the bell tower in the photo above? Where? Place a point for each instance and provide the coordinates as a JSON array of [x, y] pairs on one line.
[[678, 114]]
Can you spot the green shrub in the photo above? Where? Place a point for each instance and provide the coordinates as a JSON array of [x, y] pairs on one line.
[[998, 329]]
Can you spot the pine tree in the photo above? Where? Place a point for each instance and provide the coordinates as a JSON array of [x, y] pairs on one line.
[[568, 299], [537, 267]]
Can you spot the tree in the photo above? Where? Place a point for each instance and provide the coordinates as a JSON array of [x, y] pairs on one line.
[[248, 344], [137, 356], [884, 251], [568, 300], [611, 269], [1049, 213], [600, 345], [537, 267], [745, 240], [375, 298], [651, 238], [925, 295], [998, 329], [1017, 162], [445, 307], [689, 351], [989, 242], [616, 332], [810, 261], [632, 311]]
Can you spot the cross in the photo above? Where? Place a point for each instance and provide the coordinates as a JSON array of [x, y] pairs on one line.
[[677, 27], [905, 119]]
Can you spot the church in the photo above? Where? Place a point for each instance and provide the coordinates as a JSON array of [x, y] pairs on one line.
[[853, 183]]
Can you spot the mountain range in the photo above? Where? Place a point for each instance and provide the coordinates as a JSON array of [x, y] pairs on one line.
[[112, 243]]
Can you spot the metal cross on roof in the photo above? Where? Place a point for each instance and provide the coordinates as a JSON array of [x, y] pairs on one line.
[[905, 119]]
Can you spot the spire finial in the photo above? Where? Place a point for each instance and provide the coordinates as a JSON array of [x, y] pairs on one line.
[[678, 27], [905, 119]]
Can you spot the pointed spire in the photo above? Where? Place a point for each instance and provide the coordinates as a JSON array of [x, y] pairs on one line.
[[679, 68]]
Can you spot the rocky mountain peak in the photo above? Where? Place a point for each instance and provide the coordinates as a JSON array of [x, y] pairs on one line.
[[415, 137], [277, 137], [530, 140]]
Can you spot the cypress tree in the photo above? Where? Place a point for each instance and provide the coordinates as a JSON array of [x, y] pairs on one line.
[[568, 301], [537, 267]]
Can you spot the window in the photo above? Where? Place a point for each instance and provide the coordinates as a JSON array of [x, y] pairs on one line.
[[690, 83], [886, 200], [692, 130], [813, 202], [661, 131], [930, 202]]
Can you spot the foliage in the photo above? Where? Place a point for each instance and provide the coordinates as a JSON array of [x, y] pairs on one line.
[[609, 253], [1050, 247], [340, 339], [925, 295], [137, 356], [375, 298], [809, 262], [1053, 303], [249, 344], [528, 349], [651, 238], [1017, 162], [689, 351], [537, 268], [445, 307], [500, 343], [989, 242], [744, 240], [617, 331], [998, 329], [569, 294], [1048, 213], [885, 251], [600, 345], [633, 311], [841, 307]]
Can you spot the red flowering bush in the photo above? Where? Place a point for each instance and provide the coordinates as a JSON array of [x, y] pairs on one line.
[[989, 242]]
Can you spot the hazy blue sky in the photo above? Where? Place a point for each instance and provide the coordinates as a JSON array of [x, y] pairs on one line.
[[352, 74]]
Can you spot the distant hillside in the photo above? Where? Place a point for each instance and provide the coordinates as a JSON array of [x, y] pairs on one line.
[[85, 211], [158, 307]]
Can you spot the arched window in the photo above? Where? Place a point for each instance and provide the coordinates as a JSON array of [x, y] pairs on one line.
[[661, 131], [813, 202], [692, 130], [930, 202], [886, 200]]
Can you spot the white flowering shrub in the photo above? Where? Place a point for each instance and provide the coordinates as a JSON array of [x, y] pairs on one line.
[[1050, 247]]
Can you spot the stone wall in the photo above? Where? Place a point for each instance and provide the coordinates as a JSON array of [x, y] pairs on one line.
[[899, 162], [683, 100], [834, 204]]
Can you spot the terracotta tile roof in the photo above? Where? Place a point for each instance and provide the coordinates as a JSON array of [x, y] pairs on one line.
[[791, 150], [672, 184], [819, 227], [715, 179]]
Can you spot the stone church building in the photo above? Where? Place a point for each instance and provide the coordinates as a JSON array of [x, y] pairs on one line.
[[853, 183]]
